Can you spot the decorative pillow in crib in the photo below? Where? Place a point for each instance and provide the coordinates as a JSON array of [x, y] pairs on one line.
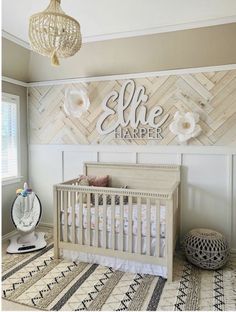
[[83, 182], [99, 181], [117, 198]]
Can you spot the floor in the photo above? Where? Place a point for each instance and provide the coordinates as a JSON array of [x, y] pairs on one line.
[[213, 290], [11, 306]]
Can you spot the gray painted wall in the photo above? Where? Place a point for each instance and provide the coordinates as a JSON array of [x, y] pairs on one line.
[[9, 191], [15, 61], [207, 46]]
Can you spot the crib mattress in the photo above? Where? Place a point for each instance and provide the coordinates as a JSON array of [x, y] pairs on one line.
[[161, 222]]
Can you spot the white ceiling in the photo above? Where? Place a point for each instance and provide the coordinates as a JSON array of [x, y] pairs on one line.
[[106, 19]]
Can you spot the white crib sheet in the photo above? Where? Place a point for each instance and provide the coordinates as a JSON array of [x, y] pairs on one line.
[[161, 222]]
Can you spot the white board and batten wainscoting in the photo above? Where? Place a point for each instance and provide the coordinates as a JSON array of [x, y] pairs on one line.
[[207, 184], [208, 179]]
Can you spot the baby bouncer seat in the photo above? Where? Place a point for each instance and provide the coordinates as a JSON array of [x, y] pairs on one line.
[[25, 213]]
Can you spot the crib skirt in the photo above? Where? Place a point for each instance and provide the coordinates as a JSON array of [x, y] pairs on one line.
[[116, 263]]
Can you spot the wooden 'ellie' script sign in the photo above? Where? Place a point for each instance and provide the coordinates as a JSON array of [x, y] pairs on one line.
[[133, 120]]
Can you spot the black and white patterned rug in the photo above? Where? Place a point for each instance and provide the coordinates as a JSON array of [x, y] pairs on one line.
[[39, 281]]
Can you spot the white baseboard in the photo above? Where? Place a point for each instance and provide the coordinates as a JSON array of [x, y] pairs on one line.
[[14, 232], [9, 235], [44, 224]]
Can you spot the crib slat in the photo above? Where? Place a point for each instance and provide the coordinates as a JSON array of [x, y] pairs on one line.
[[148, 225], [80, 218], [158, 226], [88, 240], [113, 221], [96, 221], [139, 227], [76, 197], [104, 230], [176, 194], [66, 206], [121, 233], [59, 202], [130, 224], [72, 194]]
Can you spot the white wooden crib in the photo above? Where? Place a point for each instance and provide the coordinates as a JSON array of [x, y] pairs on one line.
[[149, 187]]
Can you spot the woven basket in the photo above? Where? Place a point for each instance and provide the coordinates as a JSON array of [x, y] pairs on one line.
[[206, 249]]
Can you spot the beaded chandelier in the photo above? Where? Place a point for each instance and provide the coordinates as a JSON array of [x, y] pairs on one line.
[[54, 34]]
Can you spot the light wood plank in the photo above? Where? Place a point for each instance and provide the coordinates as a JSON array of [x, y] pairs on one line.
[[207, 83], [194, 83]]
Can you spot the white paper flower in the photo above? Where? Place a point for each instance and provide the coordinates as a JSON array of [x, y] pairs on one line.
[[185, 126], [76, 102]]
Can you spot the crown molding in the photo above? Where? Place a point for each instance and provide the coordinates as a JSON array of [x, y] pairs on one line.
[[15, 39], [136, 33], [162, 29], [133, 76], [15, 82]]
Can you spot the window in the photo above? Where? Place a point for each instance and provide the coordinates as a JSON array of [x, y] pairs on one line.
[[10, 137]]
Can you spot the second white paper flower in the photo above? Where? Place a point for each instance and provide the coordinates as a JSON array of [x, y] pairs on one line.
[[185, 126]]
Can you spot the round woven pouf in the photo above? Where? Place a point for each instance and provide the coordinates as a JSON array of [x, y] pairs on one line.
[[206, 248]]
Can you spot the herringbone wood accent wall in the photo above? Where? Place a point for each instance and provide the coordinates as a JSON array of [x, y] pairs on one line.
[[212, 94]]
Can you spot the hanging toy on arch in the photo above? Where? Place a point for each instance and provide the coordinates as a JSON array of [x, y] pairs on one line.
[[25, 191]]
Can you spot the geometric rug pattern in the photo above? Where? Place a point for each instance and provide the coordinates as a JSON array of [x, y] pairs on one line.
[[39, 281], [211, 94]]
